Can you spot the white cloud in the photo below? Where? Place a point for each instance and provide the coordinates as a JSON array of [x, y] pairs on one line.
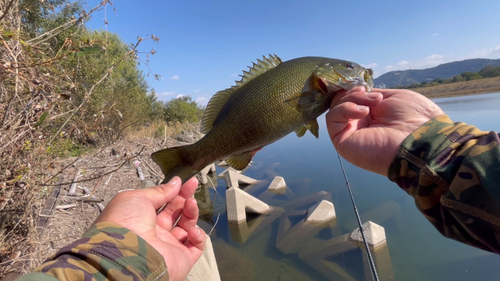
[[404, 64], [180, 96], [434, 34], [234, 75], [202, 101], [175, 77], [197, 91], [433, 60], [371, 65], [491, 53], [165, 94]]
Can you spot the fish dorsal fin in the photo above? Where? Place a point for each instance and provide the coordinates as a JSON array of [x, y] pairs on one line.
[[220, 98]]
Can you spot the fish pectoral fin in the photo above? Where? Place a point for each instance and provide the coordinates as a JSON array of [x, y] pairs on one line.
[[240, 161], [304, 100], [313, 127], [301, 131]]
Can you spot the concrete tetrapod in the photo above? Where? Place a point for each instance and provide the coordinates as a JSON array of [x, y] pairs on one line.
[[233, 178], [376, 240], [291, 239], [238, 201], [205, 269]]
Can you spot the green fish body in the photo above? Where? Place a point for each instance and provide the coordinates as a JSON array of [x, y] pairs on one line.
[[272, 99]]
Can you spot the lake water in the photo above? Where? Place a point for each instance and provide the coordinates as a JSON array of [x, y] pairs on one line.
[[416, 251]]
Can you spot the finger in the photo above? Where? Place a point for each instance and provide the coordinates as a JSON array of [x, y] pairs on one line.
[[359, 96], [161, 194], [189, 214], [196, 241], [188, 219], [189, 187], [168, 216], [341, 120]]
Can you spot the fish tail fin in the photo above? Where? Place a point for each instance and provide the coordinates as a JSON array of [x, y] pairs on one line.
[[175, 162]]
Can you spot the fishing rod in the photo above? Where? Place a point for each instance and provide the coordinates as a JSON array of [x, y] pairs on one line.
[[368, 252]]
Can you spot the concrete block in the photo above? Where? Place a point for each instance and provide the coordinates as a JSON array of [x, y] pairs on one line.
[[209, 169], [282, 194], [233, 178], [306, 202], [321, 213], [328, 257], [292, 238], [222, 163], [322, 257], [375, 237], [301, 187], [277, 184], [241, 232], [238, 201], [221, 175], [379, 214], [374, 234], [205, 269]]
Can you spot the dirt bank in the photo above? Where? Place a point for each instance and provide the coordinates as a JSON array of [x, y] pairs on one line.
[[480, 86]]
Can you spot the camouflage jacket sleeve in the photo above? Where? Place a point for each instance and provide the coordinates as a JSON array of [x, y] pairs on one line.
[[453, 172], [105, 251]]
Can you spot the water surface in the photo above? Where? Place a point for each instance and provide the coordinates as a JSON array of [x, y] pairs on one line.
[[308, 165]]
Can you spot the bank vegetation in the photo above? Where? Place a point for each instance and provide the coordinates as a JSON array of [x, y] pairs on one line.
[[66, 89]]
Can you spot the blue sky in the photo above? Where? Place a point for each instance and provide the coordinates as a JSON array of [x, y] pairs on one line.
[[205, 45]]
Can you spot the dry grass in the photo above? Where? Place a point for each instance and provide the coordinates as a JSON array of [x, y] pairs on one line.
[[480, 86], [21, 201]]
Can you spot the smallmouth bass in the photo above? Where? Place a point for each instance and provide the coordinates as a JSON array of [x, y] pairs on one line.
[[272, 99]]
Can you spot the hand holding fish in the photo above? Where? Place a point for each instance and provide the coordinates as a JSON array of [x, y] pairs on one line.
[[368, 128]]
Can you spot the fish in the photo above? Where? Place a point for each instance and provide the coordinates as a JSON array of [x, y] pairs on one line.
[[272, 99]]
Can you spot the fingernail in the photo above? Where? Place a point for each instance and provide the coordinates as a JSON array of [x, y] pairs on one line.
[[373, 95], [173, 181], [362, 107]]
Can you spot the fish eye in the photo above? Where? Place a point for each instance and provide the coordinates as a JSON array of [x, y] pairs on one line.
[[349, 65]]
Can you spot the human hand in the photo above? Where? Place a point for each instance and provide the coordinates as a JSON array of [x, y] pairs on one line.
[[367, 129], [181, 246]]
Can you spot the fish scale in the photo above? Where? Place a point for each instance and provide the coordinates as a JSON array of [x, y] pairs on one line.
[[272, 99]]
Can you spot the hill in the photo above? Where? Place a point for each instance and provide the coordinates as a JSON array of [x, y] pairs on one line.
[[442, 71]]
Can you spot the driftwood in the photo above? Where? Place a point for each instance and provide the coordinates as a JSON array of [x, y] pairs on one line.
[[87, 191], [84, 199], [64, 207]]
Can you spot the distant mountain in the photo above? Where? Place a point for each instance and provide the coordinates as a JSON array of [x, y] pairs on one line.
[[442, 71]]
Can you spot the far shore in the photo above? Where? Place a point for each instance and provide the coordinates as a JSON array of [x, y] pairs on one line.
[[474, 87]]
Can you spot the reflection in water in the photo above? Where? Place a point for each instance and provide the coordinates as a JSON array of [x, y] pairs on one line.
[[309, 165]]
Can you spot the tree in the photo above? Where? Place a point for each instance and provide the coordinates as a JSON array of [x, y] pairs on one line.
[[182, 109], [490, 71]]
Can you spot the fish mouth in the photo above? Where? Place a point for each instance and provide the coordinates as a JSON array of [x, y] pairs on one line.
[[363, 78]]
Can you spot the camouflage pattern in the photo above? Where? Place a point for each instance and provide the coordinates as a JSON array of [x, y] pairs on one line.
[[106, 251], [453, 172]]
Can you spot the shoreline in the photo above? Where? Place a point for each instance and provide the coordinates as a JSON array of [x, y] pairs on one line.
[[466, 88]]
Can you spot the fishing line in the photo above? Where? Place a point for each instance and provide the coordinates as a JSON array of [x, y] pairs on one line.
[[368, 253]]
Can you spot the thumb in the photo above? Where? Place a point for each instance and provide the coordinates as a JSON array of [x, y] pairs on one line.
[[163, 193]]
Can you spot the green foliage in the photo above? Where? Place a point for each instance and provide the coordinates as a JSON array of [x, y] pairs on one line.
[[490, 71], [182, 109], [470, 76]]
